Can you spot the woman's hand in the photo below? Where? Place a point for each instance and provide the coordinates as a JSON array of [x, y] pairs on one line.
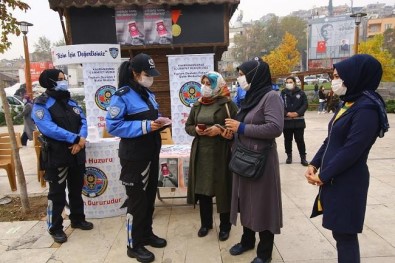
[[75, 148], [82, 142], [312, 176], [232, 125], [199, 131], [227, 134], [212, 131], [155, 126]]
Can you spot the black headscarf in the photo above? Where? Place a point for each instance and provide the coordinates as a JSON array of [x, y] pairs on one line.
[[49, 77], [362, 75], [258, 75], [359, 73], [48, 80]]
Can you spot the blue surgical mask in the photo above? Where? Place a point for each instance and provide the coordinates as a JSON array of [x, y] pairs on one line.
[[62, 85]]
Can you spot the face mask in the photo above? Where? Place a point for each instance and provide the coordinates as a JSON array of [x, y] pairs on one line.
[[146, 81], [243, 83], [206, 91], [289, 86], [338, 87], [62, 85]]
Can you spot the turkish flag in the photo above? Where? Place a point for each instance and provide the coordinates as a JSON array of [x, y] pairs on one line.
[[321, 47]]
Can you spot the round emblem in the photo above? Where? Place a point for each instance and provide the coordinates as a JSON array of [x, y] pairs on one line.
[[190, 93], [103, 96], [176, 30], [95, 182], [298, 96]]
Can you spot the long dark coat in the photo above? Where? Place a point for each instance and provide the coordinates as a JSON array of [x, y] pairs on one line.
[[342, 157], [343, 169], [259, 200], [208, 167]]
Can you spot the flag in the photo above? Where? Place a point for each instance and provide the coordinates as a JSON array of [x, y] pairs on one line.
[[321, 47]]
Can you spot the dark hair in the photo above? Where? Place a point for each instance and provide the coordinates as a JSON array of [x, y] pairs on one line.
[[291, 77], [125, 74]]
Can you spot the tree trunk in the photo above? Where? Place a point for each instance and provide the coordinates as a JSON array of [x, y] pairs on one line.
[[15, 152]]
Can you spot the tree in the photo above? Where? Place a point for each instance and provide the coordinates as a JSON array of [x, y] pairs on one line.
[[249, 43], [8, 21], [9, 26], [285, 57], [297, 27], [42, 49], [374, 47], [389, 41], [59, 43]]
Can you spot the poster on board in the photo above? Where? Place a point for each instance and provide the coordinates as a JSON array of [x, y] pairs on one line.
[[185, 72]]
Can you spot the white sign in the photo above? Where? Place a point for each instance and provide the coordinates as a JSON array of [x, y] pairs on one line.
[[100, 82], [185, 72], [90, 53]]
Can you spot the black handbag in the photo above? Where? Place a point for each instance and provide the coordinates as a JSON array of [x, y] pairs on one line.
[[248, 163]]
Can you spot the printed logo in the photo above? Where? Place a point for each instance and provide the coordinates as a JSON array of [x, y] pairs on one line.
[[103, 96], [151, 62], [190, 93], [114, 111], [298, 96], [77, 110], [114, 52], [40, 114], [95, 182]]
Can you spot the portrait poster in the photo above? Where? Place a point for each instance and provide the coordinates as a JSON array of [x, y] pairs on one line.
[[147, 25], [185, 72]]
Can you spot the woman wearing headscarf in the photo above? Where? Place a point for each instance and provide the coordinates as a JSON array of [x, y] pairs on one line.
[[344, 175], [28, 124], [259, 121], [209, 175], [63, 126]]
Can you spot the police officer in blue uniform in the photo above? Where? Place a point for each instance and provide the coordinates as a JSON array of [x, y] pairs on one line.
[[131, 116], [64, 129]]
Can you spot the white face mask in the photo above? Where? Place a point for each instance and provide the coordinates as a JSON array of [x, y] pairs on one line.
[[289, 86], [338, 87], [243, 83], [206, 91], [146, 81]]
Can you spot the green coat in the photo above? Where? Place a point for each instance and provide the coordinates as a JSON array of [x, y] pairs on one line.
[[208, 166]]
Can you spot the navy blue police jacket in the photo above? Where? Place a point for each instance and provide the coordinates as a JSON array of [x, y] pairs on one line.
[[62, 123], [294, 101], [129, 117], [342, 160]]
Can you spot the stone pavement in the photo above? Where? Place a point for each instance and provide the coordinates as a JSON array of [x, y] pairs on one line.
[[302, 239]]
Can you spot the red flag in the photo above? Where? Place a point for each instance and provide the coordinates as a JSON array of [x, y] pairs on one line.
[[321, 47]]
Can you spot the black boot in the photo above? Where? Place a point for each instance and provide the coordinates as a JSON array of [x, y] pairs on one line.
[[303, 160], [289, 159], [141, 254]]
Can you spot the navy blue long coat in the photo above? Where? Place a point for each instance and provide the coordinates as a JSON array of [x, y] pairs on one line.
[[342, 158]]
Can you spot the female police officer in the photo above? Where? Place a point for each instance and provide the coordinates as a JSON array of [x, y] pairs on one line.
[[131, 116], [64, 129]]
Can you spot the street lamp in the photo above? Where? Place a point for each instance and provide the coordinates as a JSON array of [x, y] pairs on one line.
[[24, 27], [358, 19]]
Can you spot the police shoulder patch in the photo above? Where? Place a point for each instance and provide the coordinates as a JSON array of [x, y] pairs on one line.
[[114, 111], [39, 113], [122, 91], [76, 110]]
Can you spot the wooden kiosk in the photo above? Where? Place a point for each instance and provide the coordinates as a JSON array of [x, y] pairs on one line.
[[185, 27]]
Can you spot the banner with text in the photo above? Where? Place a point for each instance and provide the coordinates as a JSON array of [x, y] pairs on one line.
[[185, 72], [90, 53]]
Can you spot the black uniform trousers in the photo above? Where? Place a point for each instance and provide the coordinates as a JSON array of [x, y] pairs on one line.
[[298, 133], [347, 247], [206, 214], [73, 176], [141, 182], [266, 242]]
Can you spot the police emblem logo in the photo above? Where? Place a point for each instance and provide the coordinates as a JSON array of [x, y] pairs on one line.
[[151, 62], [114, 52], [39, 114], [103, 96], [95, 182], [76, 110], [189, 93], [298, 96], [114, 111]]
